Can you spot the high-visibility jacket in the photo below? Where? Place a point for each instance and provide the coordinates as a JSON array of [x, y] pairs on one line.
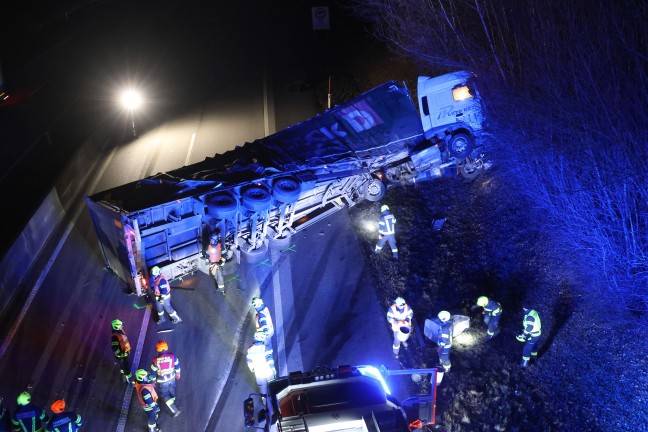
[[531, 324], [398, 318], [120, 345], [146, 395], [386, 225], [64, 422], [29, 418], [259, 360], [214, 252], [161, 287], [445, 335], [263, 321], [165, 367], [493, 308]]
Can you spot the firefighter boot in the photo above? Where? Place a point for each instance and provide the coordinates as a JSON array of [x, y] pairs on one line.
[[524, 363], [175, 412], [175, 318]]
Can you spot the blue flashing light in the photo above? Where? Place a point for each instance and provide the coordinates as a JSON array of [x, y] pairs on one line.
[[373, 372]]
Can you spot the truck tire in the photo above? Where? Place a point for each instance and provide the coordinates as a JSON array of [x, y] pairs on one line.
[[256, 198], [460, 145], [374, 190], [280, 242], [222, 205], [254, 256], [286, 190]]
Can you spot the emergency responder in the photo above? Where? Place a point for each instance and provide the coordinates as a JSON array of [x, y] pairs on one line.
[[259, 360], [63, 421], [28, 417], [216, 261], [399, 317], [121, 348], [161, 291], [532, 329], [5, 418], [262, 318], [445, 339], [387, 231], [148, 398], [492, 314], [166, 370]]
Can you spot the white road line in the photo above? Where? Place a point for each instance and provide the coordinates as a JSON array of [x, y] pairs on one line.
[[128, 393], [191, 144], [283, 298]]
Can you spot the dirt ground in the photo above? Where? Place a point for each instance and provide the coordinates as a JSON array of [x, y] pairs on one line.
[[591, 374]]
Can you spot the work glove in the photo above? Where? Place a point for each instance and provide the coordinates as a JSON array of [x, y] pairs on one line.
[[177, 376], [158, 299], [521, 338], [380, 236]]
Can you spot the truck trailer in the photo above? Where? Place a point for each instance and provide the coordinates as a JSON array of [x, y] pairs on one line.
[[261, 193]]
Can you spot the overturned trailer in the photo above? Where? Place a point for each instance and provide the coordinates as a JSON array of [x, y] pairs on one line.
[[264, 191]]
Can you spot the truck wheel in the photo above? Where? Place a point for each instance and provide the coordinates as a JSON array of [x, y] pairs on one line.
[[222, 205], [375, 190], [470, 168], [254, 256], [460, 145], [286, 189], [280, 242], [256, 198]]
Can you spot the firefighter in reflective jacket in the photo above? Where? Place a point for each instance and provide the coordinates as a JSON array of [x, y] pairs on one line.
[[148, 398], [386, 231], [28, 417], [399, 316], [166, 370], [161, 290], [530, 334], [63, 421], [445, 339], [216, 260], [262, 318], [5, 418], [259, 360], [121, 349], [492, 313]]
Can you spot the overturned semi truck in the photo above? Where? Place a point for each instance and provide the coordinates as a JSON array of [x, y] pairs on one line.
[[265, 191]]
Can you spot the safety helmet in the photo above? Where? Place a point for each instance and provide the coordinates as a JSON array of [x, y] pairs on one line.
[[259, 336], [444, 316], [257, 302], [162, 346], [58, 406], [482, 301], [213, 238], [399, 302], [155, 271], [141, 375], [117, 324], [23, 398], [384, 207]]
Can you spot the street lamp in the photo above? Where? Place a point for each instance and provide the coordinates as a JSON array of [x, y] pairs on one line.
[[131, 100]]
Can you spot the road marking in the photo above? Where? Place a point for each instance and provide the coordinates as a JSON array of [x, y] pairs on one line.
[[283, 298], [128, 393], [191, 144]]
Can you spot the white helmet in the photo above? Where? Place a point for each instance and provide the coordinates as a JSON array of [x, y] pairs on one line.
[[155, 271], [399, 302], [259, 336], [444, 316], [257, 303]]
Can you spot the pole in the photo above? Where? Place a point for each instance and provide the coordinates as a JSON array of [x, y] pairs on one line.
[[329, 93]]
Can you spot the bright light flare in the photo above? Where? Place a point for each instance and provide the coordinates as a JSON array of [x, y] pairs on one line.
[[461, 93], [371, 226], [131, 100], [373, 372]]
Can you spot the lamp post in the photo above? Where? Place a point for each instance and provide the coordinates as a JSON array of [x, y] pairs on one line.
[[131, 100]]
